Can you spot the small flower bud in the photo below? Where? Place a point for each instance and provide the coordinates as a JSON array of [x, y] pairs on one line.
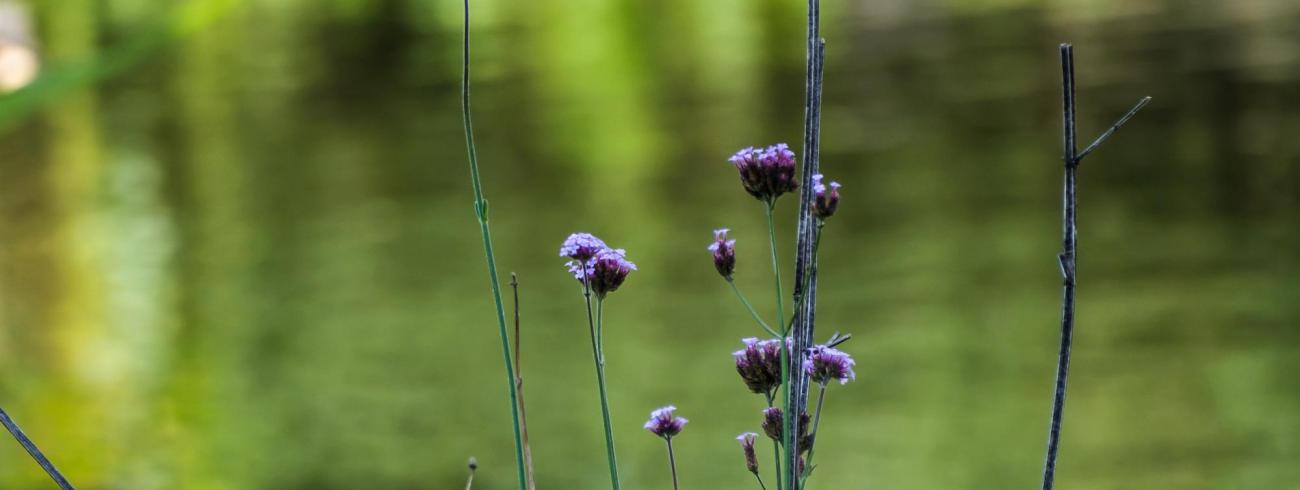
[[826, 198], [724, 253], [774, 426], [747, 445]]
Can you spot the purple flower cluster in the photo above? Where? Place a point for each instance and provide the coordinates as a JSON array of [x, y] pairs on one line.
[[826, 197], [724, 253], [662, 423], [747, 446], [759, 364], [766, 173], [828, 363], [601, 268], [581, 247]]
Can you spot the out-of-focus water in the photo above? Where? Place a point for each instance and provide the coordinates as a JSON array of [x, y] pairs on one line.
[[241, 253]]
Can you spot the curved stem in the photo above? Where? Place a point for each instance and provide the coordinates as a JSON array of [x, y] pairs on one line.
[[672, 462], [750, 308], [481, 211], [597, 352]]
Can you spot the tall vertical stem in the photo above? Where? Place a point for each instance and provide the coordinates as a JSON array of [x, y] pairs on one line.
[[781, 327], [817, 422], [776, 270], [33, 451], [594, 323], [1067, 262], [481, 211], [776, 454], [672, 462]]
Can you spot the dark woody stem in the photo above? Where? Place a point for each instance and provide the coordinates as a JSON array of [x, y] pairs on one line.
[[750, 308], [33, 451]]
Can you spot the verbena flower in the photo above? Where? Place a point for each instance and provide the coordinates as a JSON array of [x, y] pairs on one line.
[[826, 197], [766, 173], [606, 271], [662, 423], [747, 445], [581, 246], [759, 364], [774, 426], [827, 363], [724, 253]]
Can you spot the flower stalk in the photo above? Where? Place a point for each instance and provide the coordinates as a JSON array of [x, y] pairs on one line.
[[481, 212]]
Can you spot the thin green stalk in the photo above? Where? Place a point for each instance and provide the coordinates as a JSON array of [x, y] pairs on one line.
[[781, 326], [776, 454], [760, 481], [481, 211], [672, 462], [597, 352], [750, 308], [776, 270], [817, 419]]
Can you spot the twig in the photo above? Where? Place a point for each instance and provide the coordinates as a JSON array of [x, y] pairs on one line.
[[519, 386], [1069, 254], [481, 211], [805, 262], [1114, 127], [35, 452]]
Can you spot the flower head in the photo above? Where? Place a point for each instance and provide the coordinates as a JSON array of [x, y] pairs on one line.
[[759, 364], [826, 198], [724, 253], [662, 423], [826, 363], [606, 271], [747, 445], [581, 246], [766, 173], [774, 426]]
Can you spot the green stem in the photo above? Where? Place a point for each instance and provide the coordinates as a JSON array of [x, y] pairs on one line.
[[598, 354], [817, 419], [776, 269], [760, 481], [776, 454], [481, 211], [672, 462], [781, 326], [750, 307]]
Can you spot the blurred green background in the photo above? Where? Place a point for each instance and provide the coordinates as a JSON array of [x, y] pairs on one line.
[[237, 247]]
